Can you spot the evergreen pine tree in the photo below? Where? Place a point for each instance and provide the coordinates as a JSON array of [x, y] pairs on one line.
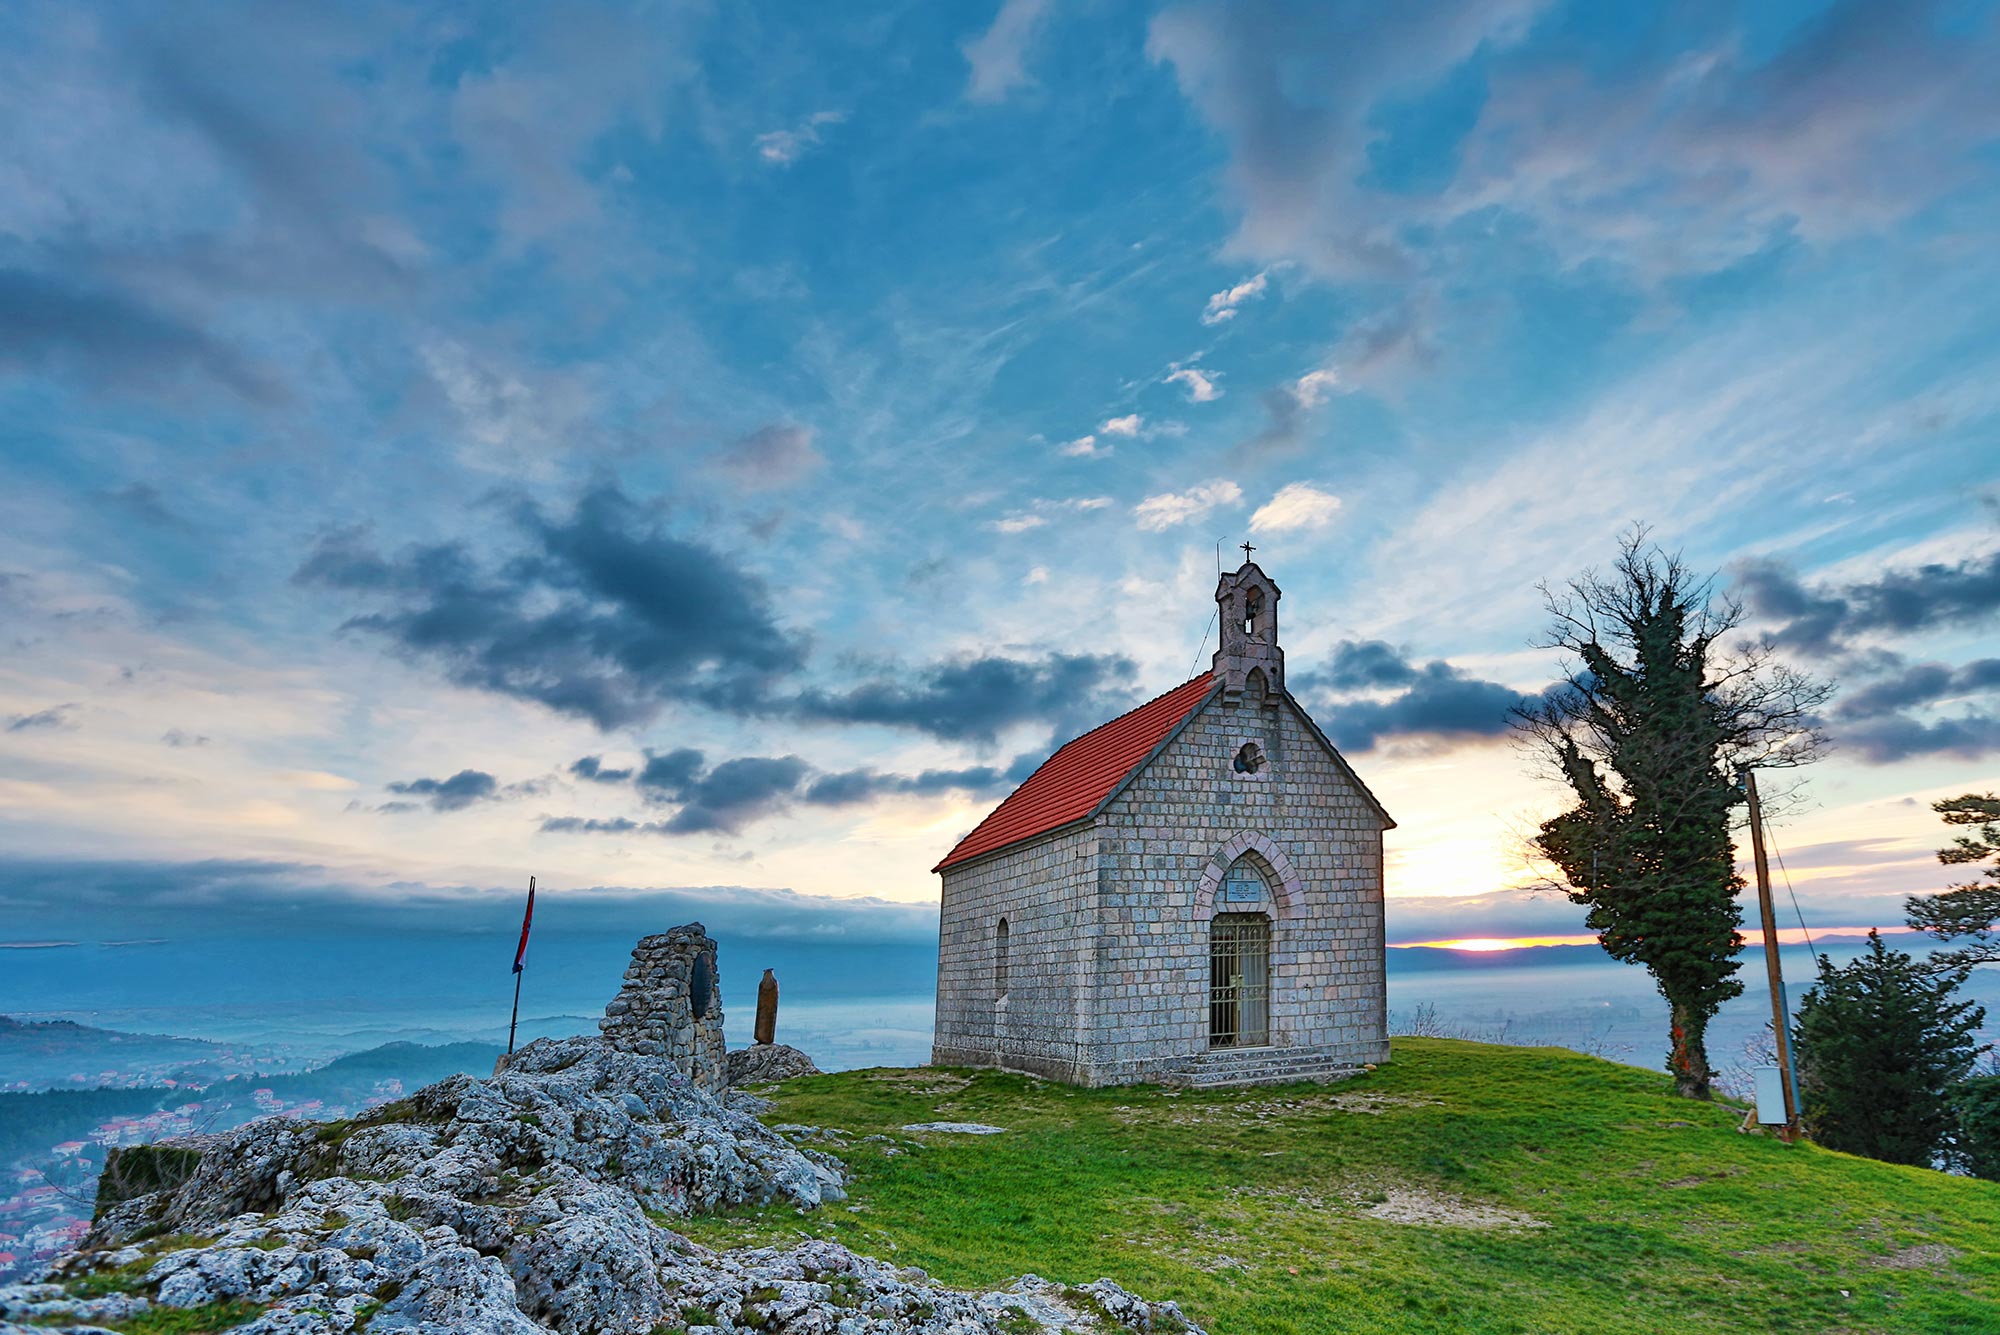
[[1976, 1102], [1880, 1043], [1969, 914]]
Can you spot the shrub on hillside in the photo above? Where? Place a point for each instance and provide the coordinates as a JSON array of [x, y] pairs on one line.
[[1880, 1043]]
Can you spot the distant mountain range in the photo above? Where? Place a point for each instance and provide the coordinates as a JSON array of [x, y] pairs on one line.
[[61, 1054], [1418, 959]]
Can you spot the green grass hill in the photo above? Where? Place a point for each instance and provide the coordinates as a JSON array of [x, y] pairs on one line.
[[1461, 1188]]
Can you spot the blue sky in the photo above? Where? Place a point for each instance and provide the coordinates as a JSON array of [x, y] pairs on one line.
[[711, 449]]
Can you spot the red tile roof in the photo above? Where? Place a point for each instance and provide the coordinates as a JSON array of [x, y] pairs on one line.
[[1076, 779]]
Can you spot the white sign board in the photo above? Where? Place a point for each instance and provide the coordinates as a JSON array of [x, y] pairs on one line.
[[1770, 1095]]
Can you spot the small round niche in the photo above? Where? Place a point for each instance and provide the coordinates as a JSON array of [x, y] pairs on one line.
[[1249, 758]]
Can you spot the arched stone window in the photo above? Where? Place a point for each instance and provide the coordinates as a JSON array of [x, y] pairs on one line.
[[1249, 758], [1000, 961], [701, 985]]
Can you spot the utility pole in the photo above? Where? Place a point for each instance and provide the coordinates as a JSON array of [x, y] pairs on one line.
[[1773, 966]]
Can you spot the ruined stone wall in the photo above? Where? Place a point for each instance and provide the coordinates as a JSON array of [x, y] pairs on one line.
[[655, 1013]]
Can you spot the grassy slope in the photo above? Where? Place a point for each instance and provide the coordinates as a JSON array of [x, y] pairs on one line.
[[1660, 1216]]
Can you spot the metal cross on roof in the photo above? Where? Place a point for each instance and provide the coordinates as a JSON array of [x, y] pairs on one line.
[[1247, 549]]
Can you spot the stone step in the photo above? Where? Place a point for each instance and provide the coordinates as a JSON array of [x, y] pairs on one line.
[[1272, 1064], [1274, 1067], [1224, 1058]]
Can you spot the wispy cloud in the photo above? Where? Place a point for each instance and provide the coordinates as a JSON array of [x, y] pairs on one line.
[[1224, 304], [777, 455], [998, 56], [55, 718], [1298, 505], [1156, 514], [1696, 153], [1041, 513], [781, 148], [1200, 383]]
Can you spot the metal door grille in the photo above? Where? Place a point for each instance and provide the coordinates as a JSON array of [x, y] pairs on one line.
[[1239, 981]]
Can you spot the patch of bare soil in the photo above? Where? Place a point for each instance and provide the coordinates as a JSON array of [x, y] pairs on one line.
[[1299, 1198], [1405, 1205], [1696, 1179], [920, 1080], [1394, 1204], [1923, 1256], [1195, 1240]]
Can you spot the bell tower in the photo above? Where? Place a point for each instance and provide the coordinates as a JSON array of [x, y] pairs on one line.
[[1249, 660]]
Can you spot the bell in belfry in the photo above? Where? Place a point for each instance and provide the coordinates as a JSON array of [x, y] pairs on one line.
[[767, 1008]]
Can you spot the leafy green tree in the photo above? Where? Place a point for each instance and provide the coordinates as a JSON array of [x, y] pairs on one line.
[[1970, 912], [1976, 1102], [1653, 723], [1880, 1043]]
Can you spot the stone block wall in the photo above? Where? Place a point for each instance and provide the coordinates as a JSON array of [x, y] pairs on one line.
[[1108, 923], [1044, 889], [1164, 843], [656, 1013]]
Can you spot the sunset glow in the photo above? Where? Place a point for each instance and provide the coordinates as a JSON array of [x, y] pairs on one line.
[[1788, 936]]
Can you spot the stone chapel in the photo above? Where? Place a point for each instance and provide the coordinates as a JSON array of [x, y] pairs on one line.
[[1191, 893]]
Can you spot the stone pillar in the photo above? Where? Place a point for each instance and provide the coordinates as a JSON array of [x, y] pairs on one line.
[[671, 1006], [767, 1009]]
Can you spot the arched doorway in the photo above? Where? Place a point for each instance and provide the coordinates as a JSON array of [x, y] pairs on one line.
[[1239, 980]]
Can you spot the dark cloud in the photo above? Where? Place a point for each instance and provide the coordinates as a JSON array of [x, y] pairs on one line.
[[55, 717], [1435, 699], [1873, 722], [725, 798], [592, 768], [142, 500], [113, 339], [1896, 737], [669, 775], [1925, 684], [604, 616], [461, 790], [1824, 620], [176, 737], [975, 699], [718, 800], [1361, 665], [1831, 620], [862, 785], [737, 792], [1441, 702], [613, 825], [771, 456]]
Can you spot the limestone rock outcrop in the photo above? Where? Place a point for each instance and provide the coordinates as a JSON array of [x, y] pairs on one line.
[[768, 1063], [541, 1199]]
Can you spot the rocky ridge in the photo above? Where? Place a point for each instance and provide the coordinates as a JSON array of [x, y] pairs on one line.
[[538, 1200]]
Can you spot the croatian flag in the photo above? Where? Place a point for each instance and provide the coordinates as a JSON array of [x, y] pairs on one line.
[[527, 919]]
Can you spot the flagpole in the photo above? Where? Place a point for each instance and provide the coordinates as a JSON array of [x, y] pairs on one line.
[[516, 1016], [520, 966]]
